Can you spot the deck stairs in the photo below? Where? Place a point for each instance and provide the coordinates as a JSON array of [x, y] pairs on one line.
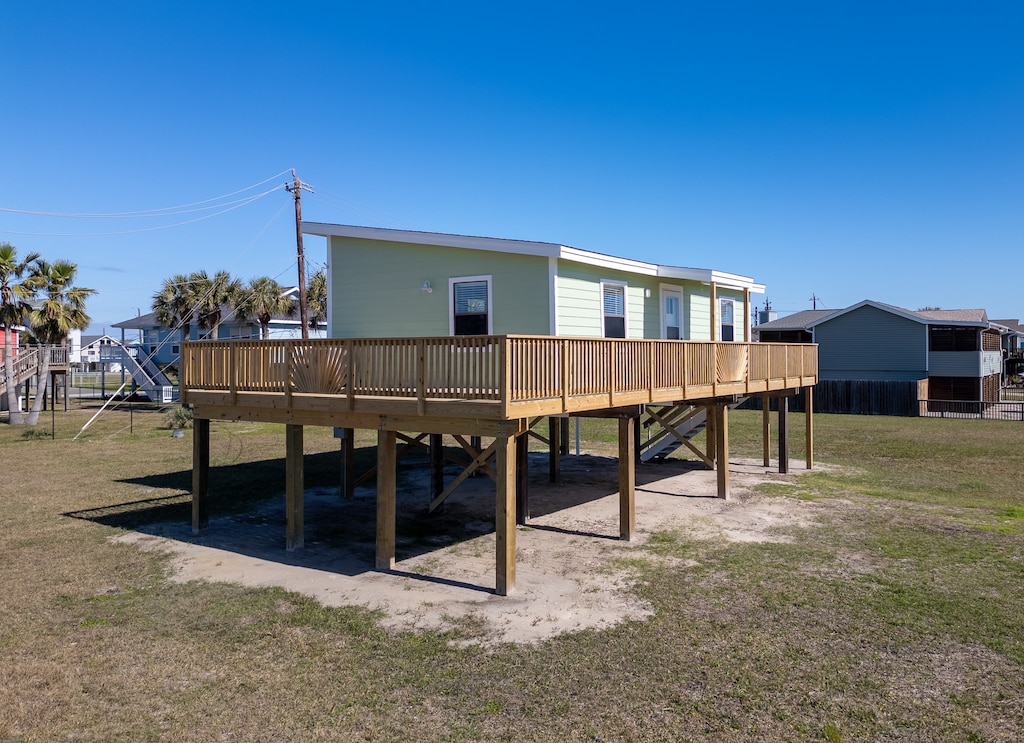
[[146, 374], [26, 364], [687, 420]]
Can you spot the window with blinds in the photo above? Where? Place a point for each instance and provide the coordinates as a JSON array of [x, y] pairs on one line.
[[614, 310], [469, 307], [727, 307]]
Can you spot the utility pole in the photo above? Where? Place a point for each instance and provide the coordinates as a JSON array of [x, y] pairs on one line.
[[296, 187], [814, 300]]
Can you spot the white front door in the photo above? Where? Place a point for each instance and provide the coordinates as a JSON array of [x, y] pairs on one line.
[[671, 314]]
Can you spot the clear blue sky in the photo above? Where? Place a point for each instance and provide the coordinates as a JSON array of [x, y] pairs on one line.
[[845, 150]]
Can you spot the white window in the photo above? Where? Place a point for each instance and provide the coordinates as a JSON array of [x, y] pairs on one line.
[[613, 309], [727, 315], [470, 305]]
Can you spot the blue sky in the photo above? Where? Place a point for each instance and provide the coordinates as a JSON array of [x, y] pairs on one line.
[[844, 150]]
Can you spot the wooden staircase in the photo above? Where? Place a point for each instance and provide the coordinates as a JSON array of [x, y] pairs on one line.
[[28, 361], [670, 426]]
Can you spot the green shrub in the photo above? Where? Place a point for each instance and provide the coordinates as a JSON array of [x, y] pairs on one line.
[[179, 417]]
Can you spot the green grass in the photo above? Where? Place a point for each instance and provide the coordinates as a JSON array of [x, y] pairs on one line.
[[898, 615]]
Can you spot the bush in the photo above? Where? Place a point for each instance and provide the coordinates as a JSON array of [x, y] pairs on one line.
[[179, 417]]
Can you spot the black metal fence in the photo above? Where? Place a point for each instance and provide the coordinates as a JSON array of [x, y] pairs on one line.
[[1000, 411]]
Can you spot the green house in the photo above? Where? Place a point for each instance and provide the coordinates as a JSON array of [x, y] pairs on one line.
[[401, 283]]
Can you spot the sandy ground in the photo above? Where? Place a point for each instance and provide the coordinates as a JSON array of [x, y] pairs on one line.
[[566, 574]]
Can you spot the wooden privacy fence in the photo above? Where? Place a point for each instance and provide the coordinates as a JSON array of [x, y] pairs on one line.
[[579, 373], [858, 397]]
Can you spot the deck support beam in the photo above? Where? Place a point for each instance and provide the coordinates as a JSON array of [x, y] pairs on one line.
[[522, 478], [505, 513], [555, 428], [294, 488], [809, 429], [348, 463], [627, 479], [722, 449], [436, 465], [387, 459], [200, 474], [783, 435], [766, 429]]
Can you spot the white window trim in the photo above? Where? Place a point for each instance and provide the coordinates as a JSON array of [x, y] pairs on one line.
[[662, 289], [721, 301], [625, 303], [451, 301]]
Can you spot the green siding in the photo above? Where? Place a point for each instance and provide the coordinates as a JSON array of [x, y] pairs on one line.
[[697, 313], [375, 288]]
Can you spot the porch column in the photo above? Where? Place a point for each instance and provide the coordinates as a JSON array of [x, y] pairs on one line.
[[722, 449], [505, 516], [627, 479], [809, 429], [294, 488], [387, 457], [783, 435], [200, 474]]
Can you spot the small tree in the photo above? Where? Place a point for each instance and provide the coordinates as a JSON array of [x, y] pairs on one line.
[[208, 294]]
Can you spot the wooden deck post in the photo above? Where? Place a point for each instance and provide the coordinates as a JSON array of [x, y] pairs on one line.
[[809, 431], [710, 437], [522, 478], [436, 465], [200, 474], [564, 446], [766, 429], [627, 479], [387, 457], [722, 449], [555, 426], [348, 463], [294, 488], [504, 518], [783, 435]]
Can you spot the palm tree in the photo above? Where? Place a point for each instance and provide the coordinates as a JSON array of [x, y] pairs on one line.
[[316, 299], [263, 299], [62, 310], [172, 304], [209, 294], [15, 293]]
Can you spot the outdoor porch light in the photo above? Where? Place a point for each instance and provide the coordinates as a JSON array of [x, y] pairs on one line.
[[426, 288]]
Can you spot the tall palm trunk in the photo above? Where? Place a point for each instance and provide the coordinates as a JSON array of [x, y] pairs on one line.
[[44, 379]]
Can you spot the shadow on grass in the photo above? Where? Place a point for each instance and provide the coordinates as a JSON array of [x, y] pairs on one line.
[[248, 517]]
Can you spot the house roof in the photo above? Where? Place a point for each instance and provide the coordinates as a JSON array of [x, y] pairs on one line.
[[808, 319], [88, 340], [527, 247]]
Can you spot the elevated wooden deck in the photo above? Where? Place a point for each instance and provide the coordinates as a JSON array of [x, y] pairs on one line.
[[433, 384], [487, 386]]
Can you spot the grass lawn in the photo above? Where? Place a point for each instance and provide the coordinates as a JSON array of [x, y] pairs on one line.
[[900, 617]]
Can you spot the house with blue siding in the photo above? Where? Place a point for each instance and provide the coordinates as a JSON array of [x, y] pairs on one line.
[[401, 283], [958, 352]]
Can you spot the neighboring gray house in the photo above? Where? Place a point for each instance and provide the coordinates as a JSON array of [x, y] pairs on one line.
[[163, 345], [401, 283], [957, 351], [1013, 349]]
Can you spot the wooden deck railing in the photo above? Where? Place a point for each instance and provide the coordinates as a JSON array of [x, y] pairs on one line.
[[28, 362], [516, 375]]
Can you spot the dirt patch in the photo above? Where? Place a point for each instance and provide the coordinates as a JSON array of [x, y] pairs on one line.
[[568, 578]]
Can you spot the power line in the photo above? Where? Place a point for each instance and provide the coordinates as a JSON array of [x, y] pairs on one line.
[[159, 212]]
